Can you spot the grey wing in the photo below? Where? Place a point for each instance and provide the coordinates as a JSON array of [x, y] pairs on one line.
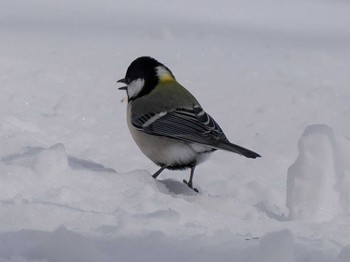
[[189, 124]]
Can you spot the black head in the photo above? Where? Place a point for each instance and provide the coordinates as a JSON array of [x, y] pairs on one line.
[[143, 75]]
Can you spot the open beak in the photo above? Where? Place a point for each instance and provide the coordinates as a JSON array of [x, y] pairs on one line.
[[123, 81]]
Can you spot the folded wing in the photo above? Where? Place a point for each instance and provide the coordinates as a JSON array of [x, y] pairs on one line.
[[189, 124]]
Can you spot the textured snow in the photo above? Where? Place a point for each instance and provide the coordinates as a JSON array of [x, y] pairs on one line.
[[273, 74]]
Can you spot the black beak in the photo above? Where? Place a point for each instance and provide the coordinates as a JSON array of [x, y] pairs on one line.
[[123, 81]]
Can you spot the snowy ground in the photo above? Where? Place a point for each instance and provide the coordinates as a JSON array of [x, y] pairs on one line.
[[75, 187]]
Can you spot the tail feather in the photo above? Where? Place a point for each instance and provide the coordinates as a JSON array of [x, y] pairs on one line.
[[238, 150]]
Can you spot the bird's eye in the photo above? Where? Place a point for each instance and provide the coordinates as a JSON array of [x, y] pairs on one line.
[[128, 80]]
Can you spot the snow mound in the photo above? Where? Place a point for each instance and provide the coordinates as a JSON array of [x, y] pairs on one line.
[[318, 183], [44, 188]]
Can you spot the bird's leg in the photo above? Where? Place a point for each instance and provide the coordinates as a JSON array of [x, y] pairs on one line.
[[156, 174], [190, 182]]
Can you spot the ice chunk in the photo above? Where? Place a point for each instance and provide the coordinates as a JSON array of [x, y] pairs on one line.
[[313, 184]]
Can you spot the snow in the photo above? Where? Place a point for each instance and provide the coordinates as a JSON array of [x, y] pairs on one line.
[[273, 74], [318, 181]]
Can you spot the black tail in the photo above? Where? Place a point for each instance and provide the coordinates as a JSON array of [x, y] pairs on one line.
[[238, 150]]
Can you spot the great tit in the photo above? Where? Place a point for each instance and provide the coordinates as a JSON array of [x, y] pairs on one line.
[[167, 122]]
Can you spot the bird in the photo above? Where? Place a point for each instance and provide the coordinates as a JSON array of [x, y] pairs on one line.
[[167, 122]]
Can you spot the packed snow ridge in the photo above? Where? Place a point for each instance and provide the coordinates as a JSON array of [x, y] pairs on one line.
[[318, 184]]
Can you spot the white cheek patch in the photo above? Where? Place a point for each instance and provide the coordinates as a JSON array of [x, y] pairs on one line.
[[135, 87]]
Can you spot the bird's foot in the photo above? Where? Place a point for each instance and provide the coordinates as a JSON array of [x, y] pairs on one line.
[[189, 184]]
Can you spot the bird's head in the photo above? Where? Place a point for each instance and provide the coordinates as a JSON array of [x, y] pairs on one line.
[[143, 75]]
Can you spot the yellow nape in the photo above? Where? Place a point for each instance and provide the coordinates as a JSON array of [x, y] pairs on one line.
[[167, 77]]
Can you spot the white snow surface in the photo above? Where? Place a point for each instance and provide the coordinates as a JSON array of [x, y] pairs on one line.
[[75, 187]]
